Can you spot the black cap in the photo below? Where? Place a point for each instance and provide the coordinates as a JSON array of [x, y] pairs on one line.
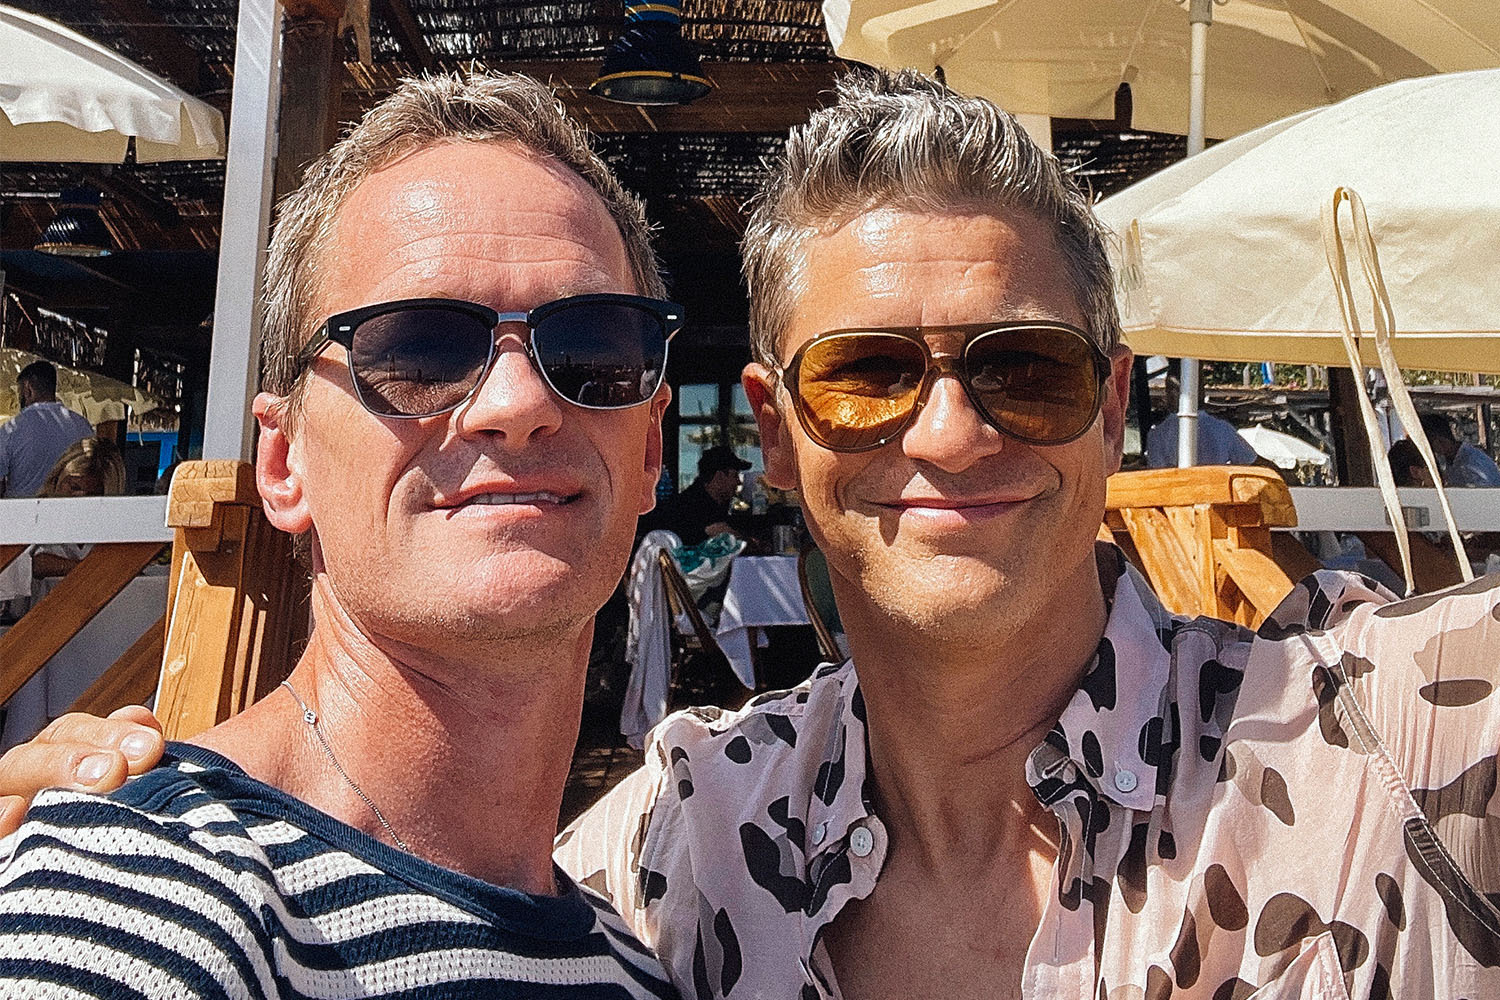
[[720, 457]]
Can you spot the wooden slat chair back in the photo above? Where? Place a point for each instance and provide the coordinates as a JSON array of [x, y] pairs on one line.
[[236, 603], [53, 621], [1202, 536]]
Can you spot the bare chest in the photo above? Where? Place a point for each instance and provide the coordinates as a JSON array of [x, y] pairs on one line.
[[960, 941]]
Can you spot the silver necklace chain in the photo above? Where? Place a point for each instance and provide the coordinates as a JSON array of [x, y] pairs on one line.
[[311, 718]]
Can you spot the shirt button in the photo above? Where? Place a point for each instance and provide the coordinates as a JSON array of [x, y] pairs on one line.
[[819, 832], [1125, 781], [861, 842]]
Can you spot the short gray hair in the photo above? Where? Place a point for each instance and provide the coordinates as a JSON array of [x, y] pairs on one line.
[[903, 140], [421, 112]]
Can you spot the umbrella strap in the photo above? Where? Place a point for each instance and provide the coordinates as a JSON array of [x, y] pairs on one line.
[[1384, 332]]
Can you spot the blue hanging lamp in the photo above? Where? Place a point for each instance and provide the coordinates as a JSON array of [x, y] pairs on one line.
[[650, 63]]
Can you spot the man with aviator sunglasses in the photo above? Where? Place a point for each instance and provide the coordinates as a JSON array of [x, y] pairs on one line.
[[1030, 780]]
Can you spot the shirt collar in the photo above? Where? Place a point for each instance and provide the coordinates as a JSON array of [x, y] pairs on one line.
[[1112, 727]]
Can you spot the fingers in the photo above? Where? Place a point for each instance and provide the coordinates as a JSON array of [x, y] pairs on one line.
[[139, 714], [31, 767], [132, 731], [12, 811]]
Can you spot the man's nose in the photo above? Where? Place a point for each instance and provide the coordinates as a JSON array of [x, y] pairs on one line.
[[514, 401], [948, 431]]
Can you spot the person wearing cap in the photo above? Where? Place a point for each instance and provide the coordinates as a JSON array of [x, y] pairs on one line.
[[702, 509]]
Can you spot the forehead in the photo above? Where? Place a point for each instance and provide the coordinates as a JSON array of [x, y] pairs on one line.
[[895, 267], [490, 222]]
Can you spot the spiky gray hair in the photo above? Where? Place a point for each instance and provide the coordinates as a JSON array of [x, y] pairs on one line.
[[903, 140]]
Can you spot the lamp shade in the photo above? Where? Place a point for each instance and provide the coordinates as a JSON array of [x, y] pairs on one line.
[[650, 63], [77, 231]]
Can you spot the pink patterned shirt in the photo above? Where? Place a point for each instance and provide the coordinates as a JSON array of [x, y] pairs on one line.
[[1307, 812]]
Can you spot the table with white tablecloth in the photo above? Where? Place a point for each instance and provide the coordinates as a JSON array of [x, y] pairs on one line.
[[763, 590]]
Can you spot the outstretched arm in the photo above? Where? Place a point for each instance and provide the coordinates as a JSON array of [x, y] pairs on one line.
[[78, 751]]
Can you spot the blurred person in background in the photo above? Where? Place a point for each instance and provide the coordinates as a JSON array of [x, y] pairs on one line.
[[1462, 464], [32, 441]]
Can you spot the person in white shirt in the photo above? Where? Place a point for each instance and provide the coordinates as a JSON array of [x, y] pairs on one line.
[[32, 440]]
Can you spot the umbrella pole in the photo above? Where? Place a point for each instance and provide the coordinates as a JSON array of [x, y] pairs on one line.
[[1200, 16]]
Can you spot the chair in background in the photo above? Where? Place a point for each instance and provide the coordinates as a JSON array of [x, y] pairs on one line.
[[1202, 536], [817, 594], [701, 674]]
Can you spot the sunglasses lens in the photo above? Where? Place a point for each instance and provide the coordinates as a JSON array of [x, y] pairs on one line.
[[1039, 384], [854, 390], [601, 354], [418, 361]]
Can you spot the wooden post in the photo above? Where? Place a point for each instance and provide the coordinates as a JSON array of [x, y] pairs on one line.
[[235, 616], [1351, 447], [312, 85]]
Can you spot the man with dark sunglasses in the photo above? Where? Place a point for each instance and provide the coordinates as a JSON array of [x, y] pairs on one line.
[[465, 341], [1030, 780]]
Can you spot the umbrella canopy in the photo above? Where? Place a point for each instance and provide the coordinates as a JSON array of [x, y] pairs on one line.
[[1266, 58], [1282, 449], [1222, 256], [65, 99]]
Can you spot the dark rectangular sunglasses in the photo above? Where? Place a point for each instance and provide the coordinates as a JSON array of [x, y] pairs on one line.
[[422, 357], [856, 390]]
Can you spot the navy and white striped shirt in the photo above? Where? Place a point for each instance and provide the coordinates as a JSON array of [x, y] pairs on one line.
[[195, 880]]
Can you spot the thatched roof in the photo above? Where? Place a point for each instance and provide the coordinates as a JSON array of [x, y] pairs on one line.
[[695, 165]]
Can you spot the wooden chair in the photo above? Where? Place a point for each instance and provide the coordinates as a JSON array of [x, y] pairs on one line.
[[236, 604], [1203, 537], [817, 595], [701, 674]]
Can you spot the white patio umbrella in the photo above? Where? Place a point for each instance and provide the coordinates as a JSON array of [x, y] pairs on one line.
[[66, 99], [1285, 451], [1222, 255], [1266, 58], [1269, 58]]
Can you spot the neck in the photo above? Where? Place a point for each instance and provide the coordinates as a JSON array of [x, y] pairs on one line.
[[465, 756], [954, 713]]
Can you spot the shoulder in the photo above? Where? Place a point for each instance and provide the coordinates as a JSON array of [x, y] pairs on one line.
[[131, 892], [777, 729], [167, 814]]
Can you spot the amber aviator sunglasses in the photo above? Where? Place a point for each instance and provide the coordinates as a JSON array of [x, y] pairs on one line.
[[856, 390]]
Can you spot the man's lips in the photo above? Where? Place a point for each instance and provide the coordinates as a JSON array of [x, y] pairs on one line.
[[956, 502], [495, 495]]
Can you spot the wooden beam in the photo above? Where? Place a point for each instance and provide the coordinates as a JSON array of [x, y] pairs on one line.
[[324, 10], [403, 24], [751, 97], [171, 55], [311, 75]]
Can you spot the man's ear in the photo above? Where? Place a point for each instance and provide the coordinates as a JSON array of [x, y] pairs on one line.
[[652, 473], [278, 466], [775, 437], [1116, 405]]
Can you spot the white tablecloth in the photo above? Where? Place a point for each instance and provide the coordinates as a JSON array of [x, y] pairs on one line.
[[15, 579], [763, 590], [86, 656]]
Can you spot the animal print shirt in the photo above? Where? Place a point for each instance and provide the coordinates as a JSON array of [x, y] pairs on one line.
[[1307, 812]]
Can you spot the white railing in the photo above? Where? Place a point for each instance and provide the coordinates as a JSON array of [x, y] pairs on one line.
[[84, 519], [1359, 508]]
